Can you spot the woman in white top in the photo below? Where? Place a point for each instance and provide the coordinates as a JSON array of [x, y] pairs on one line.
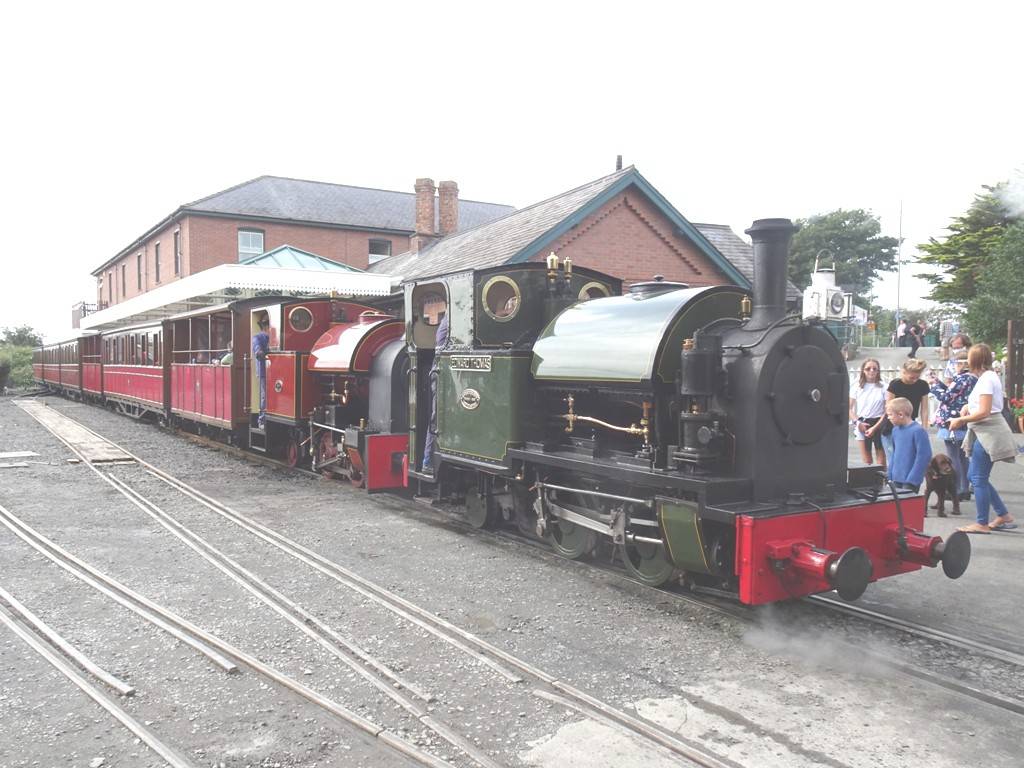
[[867, 406], [988, 440]]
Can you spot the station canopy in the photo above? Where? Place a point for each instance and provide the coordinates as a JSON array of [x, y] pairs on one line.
[[231, 282]]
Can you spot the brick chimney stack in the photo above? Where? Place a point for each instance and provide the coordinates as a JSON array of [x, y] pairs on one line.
[[448, 212], [425, 233]]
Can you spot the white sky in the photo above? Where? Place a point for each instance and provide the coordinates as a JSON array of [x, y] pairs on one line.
[[115, 114]]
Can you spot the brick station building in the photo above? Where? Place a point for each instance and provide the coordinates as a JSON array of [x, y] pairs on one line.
[[349, 225], [619, 224]]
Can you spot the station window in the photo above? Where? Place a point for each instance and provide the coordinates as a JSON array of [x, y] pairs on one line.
[[156, 261], [177, 251], [138, 270], [379, 249], [250, 243]]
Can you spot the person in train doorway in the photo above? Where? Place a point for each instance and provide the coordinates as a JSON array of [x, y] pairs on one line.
[[260, 347], [440, 342]]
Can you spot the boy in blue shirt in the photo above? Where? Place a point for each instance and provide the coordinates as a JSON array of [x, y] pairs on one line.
[[912, 449]]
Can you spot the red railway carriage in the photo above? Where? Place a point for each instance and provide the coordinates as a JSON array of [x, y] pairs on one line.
[[133, 375], [90, 354], [204, 369], [58, 366]]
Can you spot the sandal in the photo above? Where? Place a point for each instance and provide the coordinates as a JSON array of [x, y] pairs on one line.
[[975, 528], [999, 522]]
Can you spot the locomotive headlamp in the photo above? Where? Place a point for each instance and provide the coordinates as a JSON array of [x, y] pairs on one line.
[[837, 303]]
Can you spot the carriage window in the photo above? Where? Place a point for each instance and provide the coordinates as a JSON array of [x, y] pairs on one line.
[[593, 291], [220, 333], [200, 340], [432, 306], [501, 298], [300, 319]]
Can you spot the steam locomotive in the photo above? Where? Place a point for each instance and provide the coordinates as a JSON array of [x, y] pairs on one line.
[[698, 433]]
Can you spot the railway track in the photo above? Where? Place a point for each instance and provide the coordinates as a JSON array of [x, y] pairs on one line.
[[741, 613], [544, 687]]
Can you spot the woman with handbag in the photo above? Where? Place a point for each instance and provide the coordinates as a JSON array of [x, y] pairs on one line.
[[988, 440]]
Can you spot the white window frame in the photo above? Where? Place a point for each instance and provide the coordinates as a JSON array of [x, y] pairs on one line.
[[249, 250]]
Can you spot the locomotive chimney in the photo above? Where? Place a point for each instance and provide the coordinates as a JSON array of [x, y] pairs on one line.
[[771, 238]]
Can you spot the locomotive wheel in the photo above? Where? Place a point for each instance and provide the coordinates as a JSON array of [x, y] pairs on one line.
[[571, 540], [647, 563], [325, 451], [291, 453], [479, 511]]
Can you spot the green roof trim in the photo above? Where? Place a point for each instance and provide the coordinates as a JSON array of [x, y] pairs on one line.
[[634, 178], [290, 257]]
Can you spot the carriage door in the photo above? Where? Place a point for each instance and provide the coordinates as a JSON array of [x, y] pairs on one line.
[[429, 303]]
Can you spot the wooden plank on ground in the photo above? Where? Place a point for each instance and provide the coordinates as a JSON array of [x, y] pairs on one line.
[[13, 464], [94, 448], [17, 454]]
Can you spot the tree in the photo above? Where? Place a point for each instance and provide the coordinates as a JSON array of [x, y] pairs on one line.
[[854, 243], [998, 295], [963, 254], [22, 336]]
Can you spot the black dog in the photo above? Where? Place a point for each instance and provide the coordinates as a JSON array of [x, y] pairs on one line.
[[940, 479]]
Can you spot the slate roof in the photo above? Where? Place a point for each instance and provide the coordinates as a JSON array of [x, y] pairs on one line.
[[289, 257], [739, 252], [497, 242], [276, 197], [518, 235], [317, 202]]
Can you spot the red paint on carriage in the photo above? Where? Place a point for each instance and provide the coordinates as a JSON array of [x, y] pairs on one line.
[[202, 392], [92, 378], [135, 383]]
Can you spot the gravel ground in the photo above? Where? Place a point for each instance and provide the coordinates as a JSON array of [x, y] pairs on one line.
[[772, 696]]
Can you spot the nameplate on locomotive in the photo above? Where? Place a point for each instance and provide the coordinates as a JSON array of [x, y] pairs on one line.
[[470, 362]]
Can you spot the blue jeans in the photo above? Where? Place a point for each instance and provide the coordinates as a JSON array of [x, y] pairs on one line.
[[985, 496], [888, 445], [431, 442], [960, 464]]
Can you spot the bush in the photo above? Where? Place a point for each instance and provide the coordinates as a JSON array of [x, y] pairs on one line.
[[15, 366]]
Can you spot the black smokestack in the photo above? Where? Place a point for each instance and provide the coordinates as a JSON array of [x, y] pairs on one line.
[[771, 238]]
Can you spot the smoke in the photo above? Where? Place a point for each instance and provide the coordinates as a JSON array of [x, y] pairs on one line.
[[793, 639], [1011, 194]]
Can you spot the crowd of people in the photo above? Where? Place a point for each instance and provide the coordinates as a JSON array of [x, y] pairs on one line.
[[891, 423]]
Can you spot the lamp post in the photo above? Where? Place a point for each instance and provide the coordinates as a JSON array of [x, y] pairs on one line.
[[899, 263]]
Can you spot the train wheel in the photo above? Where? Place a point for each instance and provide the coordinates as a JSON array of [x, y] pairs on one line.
[[647, 563], [479, 510], [325, 451], [291, 452], [571, 540]]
